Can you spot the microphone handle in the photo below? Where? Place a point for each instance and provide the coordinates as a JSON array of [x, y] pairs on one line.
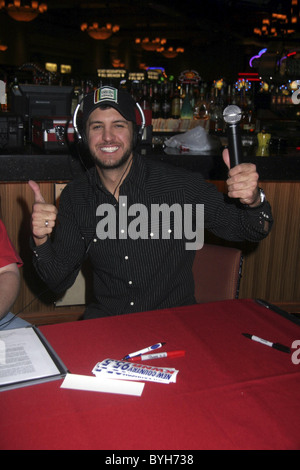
[[234, 144]]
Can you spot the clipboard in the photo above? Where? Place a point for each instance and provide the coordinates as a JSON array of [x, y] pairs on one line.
[[27, 358]]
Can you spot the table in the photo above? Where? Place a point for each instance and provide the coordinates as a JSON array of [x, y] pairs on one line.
[[230, 393]]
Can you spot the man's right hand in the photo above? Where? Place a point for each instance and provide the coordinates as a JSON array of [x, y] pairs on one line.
[[43, 215]]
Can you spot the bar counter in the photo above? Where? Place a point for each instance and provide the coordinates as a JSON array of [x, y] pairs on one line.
[[270, 268]]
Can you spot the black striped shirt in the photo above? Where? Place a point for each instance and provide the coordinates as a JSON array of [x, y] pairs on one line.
[[137, 274]]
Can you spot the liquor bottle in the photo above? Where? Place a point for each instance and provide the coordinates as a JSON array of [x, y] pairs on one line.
[[81, 92], [186, 109], [194, 95], [156, 103], [248, 117], [175, 104], [145, 98], [216, 124], [135, 92], [263, 138], [3, 93], [166, 103], [201, 106], [14, 95], [75, 96]]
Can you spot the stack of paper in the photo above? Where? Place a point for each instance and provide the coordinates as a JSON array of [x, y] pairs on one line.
[[94, 384], [115, 369]]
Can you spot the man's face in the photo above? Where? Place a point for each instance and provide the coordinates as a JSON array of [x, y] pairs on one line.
[[109, 138]]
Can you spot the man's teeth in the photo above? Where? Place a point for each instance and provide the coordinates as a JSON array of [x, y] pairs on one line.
[[109, 149]]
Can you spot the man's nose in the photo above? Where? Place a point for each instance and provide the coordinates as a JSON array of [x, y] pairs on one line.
[[108, 134]]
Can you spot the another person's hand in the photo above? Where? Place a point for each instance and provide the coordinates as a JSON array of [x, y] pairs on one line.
[[43, 215], [242, 182]]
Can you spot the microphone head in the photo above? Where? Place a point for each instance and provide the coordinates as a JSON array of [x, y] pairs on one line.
[[232, 114]]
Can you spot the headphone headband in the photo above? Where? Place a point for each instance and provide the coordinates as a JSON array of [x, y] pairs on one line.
[[74, 120], [142, 117]]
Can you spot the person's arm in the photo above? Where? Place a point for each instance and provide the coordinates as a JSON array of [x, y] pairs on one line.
[[237, 215], [9, 287], [57, 245]]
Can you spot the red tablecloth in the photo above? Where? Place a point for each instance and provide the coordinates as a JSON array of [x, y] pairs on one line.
[[231, 392]]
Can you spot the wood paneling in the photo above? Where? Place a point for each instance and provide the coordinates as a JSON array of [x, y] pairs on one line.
[[270, 269]]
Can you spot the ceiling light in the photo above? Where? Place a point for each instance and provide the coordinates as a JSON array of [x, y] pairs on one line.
[[23, 11], [2, 47], [171, 52], [150, 45], [102, 33], [277, 24]]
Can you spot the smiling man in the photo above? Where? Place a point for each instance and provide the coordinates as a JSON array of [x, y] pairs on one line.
[[145, 265], [110, 138], [110, 134]]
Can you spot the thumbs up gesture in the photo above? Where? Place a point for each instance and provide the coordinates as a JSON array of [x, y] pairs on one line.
[[43, 215], [242, 182]]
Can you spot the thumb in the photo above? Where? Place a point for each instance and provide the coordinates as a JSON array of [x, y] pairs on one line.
[[37, 192], [226, 158]]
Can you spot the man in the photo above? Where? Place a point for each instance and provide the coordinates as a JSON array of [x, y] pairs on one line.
[[141, 265], [10, 262]]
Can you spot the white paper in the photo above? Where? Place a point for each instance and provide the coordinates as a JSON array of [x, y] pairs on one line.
[[23, 357], [95, 384]]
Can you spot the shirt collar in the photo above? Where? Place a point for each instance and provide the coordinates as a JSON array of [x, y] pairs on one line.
[[136, 175]]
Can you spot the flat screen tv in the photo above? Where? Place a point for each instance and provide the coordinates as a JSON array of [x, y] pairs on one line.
[[41, 100]]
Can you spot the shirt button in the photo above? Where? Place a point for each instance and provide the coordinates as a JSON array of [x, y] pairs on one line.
[[131, 303], [126, 257], [151, 234], [129, 282], [95, 240], [122, 230]]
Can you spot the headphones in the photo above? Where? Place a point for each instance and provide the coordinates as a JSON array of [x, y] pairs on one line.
[[80, 131]]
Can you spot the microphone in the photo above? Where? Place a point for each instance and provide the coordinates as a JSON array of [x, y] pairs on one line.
[[232, 115]]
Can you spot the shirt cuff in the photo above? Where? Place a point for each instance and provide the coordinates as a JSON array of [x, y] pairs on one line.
[[43, 251], [260, 214]]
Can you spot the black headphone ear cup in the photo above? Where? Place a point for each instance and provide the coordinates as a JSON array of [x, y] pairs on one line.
[[137, 135], [83, 139], [139, 128]]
